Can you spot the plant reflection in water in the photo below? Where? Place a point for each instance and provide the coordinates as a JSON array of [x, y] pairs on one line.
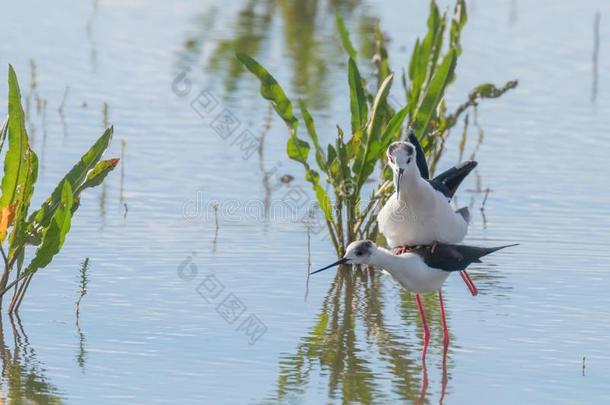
[[23, 379]]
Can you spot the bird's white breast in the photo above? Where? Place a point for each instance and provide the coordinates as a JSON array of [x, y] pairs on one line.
[[412, 273], [421, 218]]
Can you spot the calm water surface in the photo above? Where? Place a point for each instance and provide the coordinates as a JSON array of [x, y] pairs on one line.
[[151, 332]]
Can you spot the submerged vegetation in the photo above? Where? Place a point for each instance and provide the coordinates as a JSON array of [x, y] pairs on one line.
[[351, 161], [45, 228]]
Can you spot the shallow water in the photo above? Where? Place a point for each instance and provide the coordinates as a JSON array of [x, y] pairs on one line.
[[151, 332]]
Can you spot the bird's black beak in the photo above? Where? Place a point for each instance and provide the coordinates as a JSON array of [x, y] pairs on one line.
[[400, 172], [338, 262]]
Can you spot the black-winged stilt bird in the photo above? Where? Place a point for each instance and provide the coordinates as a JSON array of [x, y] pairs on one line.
[[420, 270], [419, 212]]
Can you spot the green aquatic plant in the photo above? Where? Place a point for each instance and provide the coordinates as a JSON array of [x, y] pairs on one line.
[[46, 228], [351, 162]]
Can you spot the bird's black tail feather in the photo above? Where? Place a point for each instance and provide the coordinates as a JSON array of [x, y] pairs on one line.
[[454, 257], [476, 253], [453, 177], [465, 213]]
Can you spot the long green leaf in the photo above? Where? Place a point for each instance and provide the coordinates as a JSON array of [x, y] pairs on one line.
[[344, 34], [98, 174], [76, 177], [358, 104], [55, 234], [343, 159], [377, 110], [17, 238], [297, 149], [270, 89], [362, 165], [460, 17], [313, 135], [433, 95], [390, 133], [425, 56], [19, 175], [323, 199]]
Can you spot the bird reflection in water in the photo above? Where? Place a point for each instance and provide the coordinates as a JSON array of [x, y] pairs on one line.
[[444, 378], [359, 343]]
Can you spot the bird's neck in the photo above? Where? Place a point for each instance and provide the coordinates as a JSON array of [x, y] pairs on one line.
[[410, 182], [388, 261]]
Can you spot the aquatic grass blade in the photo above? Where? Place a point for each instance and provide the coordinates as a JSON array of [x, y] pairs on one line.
[[363, 164], [433, 95], [358, 102], [344, 34]]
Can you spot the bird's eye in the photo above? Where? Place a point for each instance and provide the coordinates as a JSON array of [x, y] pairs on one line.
[[409, 161], [358, 253]]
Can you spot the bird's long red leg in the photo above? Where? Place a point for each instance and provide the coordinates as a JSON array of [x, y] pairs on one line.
[[444, 378], [443, 319], [424, 381], [422, 314], [469, 283]]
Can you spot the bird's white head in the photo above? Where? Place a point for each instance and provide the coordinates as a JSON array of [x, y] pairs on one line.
[[401, 155], [358, 252], [401, 158]]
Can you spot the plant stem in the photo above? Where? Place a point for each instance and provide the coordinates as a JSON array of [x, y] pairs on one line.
[[15, 293], [339, 213], [11, 285], [24, 289], [4, 256]]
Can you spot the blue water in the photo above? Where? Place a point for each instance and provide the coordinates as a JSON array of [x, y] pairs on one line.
[[151, 332]]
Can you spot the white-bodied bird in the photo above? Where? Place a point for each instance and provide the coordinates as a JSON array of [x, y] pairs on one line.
[[420, 270], [419, 212]]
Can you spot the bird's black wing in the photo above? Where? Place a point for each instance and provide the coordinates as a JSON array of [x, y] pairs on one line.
[[420, 159], [448, 181], [442, 188], [453, 257]]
